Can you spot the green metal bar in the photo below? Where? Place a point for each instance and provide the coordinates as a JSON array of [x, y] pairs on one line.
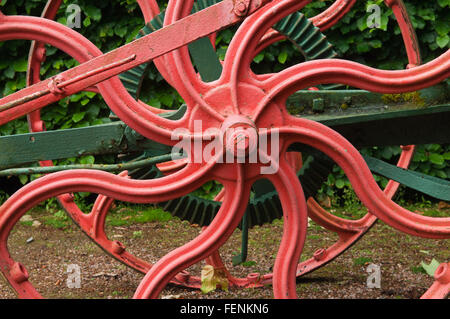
[[353, 101], [242, 257], [100, 167], [433, 186], [113, 138], [50, 145], [205, 59], [403, 127]]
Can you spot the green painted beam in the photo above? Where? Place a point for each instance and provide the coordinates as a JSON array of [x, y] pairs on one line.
[[432, 186], [342, 102], [51, 145], [419, 126], [112, 138]]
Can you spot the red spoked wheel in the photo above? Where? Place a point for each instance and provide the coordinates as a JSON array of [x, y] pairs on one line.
[[349, 231], [239, 110], [102, 205], [240, 58]]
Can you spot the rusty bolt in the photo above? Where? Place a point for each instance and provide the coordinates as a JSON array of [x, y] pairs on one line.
[[241, 8], [66, 198], [184, 276], [54, 83], [442, 274], [18, 273], [320, 254], [118, 247], [254, 277]]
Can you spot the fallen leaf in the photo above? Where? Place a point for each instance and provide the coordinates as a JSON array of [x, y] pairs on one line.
[[430, 268], [212, 277], [326, 202], [443, 205]]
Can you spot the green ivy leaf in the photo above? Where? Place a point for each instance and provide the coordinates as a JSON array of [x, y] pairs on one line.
[[9, 72], [386, 153], [87, 160], [20, 65], [93, 12], [87, 22], [444, 3], [340, 183], [121, 31], [259, 58], [442, 41], [282, 57], [436, 158], [77, 117], [363, 47], [23, 179], [446, 156]]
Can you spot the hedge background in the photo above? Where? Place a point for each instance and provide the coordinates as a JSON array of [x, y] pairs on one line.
[[109, 24]]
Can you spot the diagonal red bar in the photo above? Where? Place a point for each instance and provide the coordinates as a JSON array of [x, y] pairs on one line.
[[174, 36]]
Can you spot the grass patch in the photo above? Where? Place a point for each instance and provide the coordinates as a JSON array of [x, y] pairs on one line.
[[248, 263], [418, 270], [361, 261], [137, 215], [58, 220]]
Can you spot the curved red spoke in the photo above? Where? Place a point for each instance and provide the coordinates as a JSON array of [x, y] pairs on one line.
[[311, 73], [350, 160], [117, 187], [407, 30], [150, 9], [237, 194], [333, 14], [245, 42], [187, 82], [295, 225]]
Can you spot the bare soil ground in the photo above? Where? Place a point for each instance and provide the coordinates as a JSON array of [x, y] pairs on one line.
[[47, 256]]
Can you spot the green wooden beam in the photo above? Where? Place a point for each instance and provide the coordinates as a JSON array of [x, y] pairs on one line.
[[419, 126], [51, 145], [432, 186]]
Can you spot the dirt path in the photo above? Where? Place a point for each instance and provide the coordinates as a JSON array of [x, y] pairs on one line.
[[50, 252]]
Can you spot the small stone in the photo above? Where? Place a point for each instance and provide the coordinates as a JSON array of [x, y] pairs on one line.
[[26, 218], [29, 240], [36, 224], [171, 297]]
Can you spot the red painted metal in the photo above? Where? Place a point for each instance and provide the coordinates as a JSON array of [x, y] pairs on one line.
[[237, 99], [441, 288]]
